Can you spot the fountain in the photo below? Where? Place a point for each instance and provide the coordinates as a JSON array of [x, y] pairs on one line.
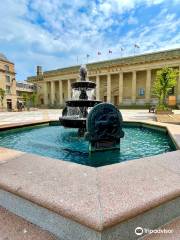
[[75, 113], [100, 123]]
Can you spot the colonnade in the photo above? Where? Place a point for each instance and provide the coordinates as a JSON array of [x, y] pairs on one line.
[[54, 91]]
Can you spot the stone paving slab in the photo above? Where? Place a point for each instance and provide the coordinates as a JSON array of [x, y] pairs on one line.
[[71, 188], [13, 227], [95, 197], [54, 114], [168, 118]]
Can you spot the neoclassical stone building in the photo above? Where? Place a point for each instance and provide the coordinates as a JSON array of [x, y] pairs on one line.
[[12, 89], [7, 83], [123, 81]]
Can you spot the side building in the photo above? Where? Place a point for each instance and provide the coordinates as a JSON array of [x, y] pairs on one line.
[[7, 83], [124, 81], [13, 91]]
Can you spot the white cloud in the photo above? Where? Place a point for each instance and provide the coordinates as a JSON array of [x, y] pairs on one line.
[[53, 33], [132, 20]]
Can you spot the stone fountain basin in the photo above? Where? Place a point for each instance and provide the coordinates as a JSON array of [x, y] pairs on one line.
[[72, 122], [83, 84], [79, 202], [82, 103]]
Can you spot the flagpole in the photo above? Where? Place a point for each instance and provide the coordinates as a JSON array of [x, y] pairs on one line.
[[136, 46], [122, 49], [87, 56]]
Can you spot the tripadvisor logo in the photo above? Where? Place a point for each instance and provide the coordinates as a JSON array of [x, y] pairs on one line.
[[139, 231]]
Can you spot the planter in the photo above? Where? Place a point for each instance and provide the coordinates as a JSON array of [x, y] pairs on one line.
[[164, 111]]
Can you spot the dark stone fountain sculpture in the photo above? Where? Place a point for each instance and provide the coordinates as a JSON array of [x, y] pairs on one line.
[[101, 123], [104, 127]]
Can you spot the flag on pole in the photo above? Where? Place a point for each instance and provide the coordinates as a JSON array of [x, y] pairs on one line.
[[136, 46], [110, 51], [99, 53], [87, 56]]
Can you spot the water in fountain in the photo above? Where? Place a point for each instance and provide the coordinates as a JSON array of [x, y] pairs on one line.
[[91, 94], [73, 111], [77, 108], [75, 94]]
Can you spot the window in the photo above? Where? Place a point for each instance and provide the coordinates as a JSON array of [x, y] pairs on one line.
[[6, 67], [8, 89], [8, 79], [141, 92]]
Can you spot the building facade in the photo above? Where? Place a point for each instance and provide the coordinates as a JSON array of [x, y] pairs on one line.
[[123, 81], [24, 88], [7, 83], [13, 90]]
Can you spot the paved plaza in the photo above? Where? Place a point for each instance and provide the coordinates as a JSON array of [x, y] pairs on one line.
[[54, 114]]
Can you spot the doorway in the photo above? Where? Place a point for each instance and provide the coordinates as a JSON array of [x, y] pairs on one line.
[[9, 104], [116, 100]]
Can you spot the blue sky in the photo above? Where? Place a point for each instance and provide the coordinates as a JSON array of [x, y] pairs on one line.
[[52, 33]]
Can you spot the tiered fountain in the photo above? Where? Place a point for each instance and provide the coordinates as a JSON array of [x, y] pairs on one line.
[[75, 113], [101, 123]]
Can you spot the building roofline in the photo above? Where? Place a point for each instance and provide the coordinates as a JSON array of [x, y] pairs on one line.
[[6, 61], [135, 56], [111, 61]]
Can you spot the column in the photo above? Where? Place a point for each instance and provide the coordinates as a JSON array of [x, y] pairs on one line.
[[46, 93], [148, 85], [60, 92], [108, 88], [13, 93], [178, 87], [120, 87], [52, 92], [69, 89], [97, 87], [134, 87]]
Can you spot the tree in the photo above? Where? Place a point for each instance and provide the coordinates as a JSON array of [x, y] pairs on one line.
[[26, 100], [2, 96], [33, 99], [166, 79]]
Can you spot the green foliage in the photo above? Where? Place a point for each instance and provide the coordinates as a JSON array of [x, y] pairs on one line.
[[166, 79], [2, 95], [26, 98], [30, 99], [34, 99]]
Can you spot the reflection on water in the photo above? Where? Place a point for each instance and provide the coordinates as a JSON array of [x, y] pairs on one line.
[[97, 159], [62, 143]]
